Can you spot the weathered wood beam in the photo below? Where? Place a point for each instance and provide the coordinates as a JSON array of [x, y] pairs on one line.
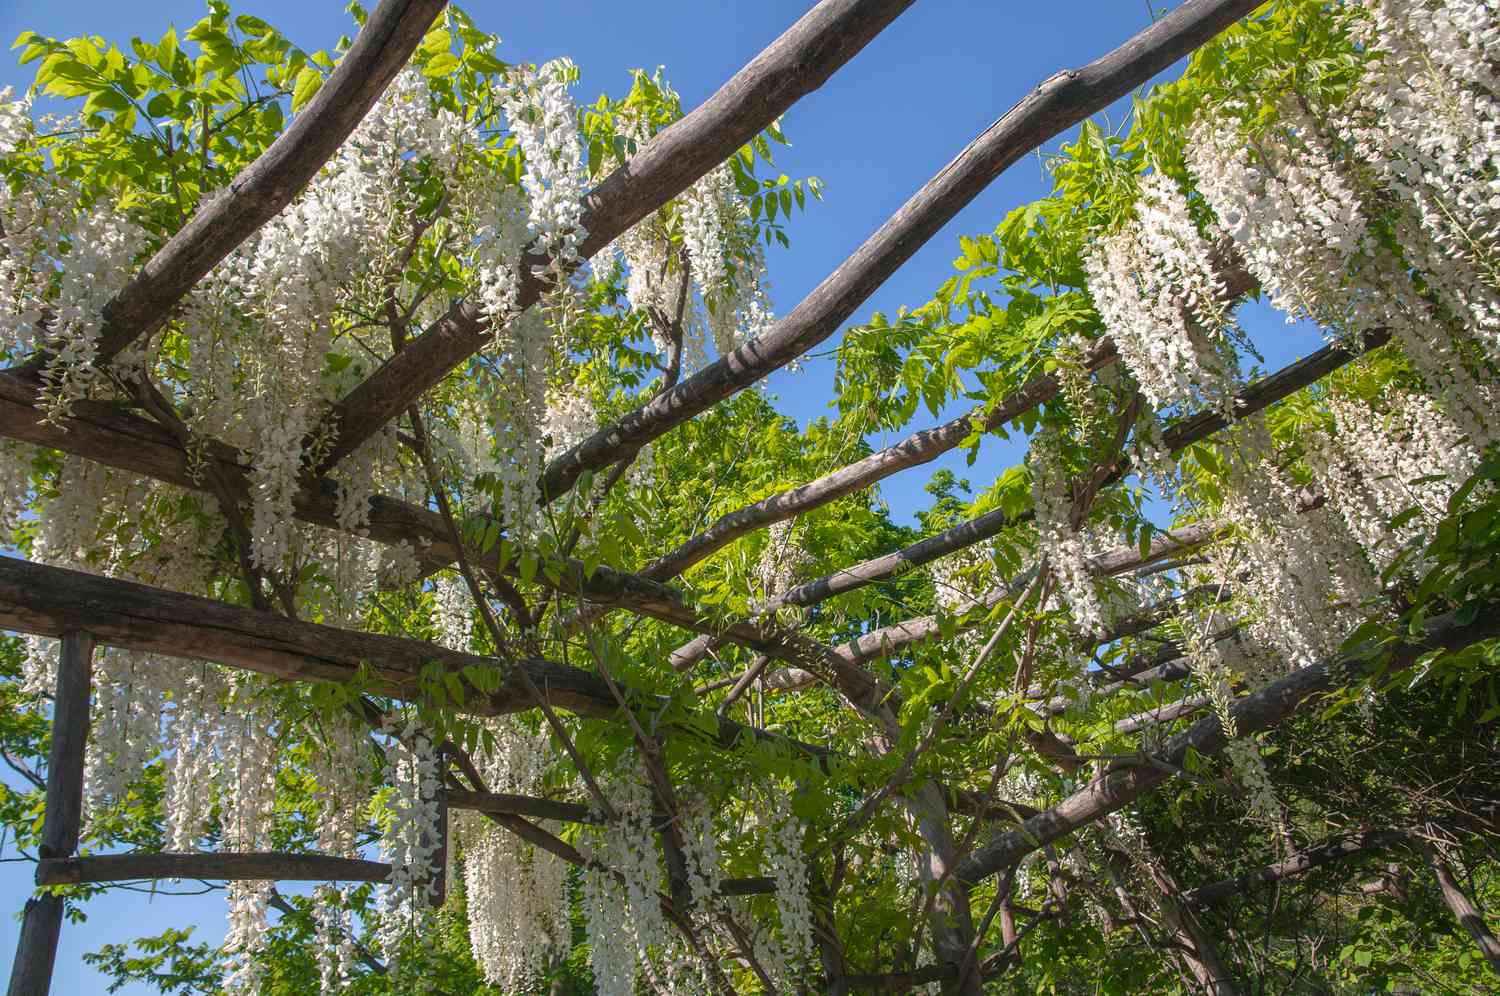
[[1058, 103], [1164, 713], [521, 805], [36, 949], [1322, 853], [51, 601], [1120, 786], [387, 40], [792, 66], [1469, 916], [237, 866]]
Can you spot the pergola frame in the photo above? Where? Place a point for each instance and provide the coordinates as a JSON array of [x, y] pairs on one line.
[[86, 611]]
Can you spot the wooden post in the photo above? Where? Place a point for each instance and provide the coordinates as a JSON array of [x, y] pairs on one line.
[[1200, 951], [36, 951], [1463, 908]]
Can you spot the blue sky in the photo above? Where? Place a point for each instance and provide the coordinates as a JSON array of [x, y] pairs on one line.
[[874, 133]]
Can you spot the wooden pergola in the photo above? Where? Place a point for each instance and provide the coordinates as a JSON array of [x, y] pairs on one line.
[[86, 611]]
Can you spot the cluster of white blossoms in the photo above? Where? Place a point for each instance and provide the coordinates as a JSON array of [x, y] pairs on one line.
[[621, 907], [782, 562], [269, 316], [516, 893], [245, 770], [516, 896], [1162, 303], [1297, 198], [1378, 463], [1059, 543], [1426, 117], [60, 263], [15, 121], [410, 842], [787, 866], [544, 122], [1302, 574], [700, 846]]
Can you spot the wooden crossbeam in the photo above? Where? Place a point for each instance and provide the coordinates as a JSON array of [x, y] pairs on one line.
[[792, 66], [51, 601], [520, 805], [229, 866], [1267, 708], [108, 434], [1322, 853], [36, 949], [1057, 104]]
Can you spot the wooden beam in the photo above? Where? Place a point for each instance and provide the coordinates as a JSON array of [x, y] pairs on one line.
[[521, 805], [1322, 853], [1058, 103], [387, 40], [236, 866], [792, 66], [36, 949], [1469, 916], [1119, 786], [108, 434], [51, 601]]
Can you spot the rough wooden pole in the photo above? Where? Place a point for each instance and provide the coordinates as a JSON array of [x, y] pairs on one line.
[[1197, 947], [1463, 908], [36, 951]]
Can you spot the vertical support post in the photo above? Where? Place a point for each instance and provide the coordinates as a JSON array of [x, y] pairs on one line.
[[36, 951], [1463, 908], [1204, 961]]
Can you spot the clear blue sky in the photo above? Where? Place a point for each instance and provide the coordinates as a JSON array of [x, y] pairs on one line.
[[874, 133]]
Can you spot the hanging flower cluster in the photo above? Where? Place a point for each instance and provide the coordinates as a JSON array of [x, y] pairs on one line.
[[1060, 544], [620, 889], [411, 843], [1162, 302]]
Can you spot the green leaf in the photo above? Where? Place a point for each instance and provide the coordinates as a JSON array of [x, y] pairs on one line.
[[308, 82]]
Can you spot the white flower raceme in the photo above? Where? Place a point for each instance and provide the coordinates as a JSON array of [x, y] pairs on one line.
[[411, 842], [1061, 544], [785, 863], [782, 561], [101, 248], [15, 122], [1426, 117], [704, 207], [517, 894], [1302, 571], [701, 851], [1378, 465], [544, 122], [129, 696], [517, 905], [1294, 218], [453, 614], [333, 939], [192, 737], [245, 771], [1162, 303], [623, 915]]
